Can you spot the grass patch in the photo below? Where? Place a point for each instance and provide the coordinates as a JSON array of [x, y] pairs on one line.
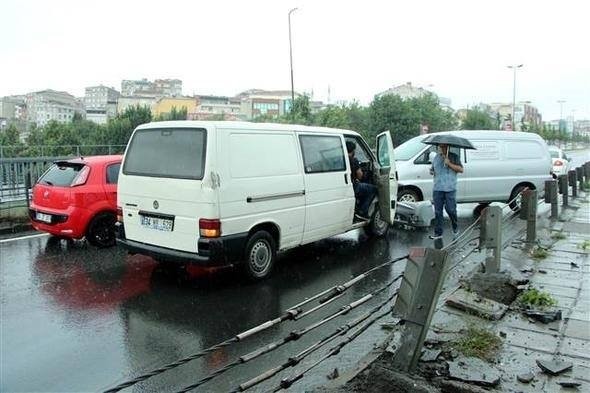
[[539, 253], [534, 298], [478, 342], [585, 245], [586, 186], [558, 236]]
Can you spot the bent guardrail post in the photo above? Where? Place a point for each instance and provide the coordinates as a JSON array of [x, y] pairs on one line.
[[571, 177], [563, 189], [490, 237], [551, 197], [528, 212], [416, 302]]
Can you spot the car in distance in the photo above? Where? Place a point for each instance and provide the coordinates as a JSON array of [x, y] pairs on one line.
[[560, 161], [78, 197]]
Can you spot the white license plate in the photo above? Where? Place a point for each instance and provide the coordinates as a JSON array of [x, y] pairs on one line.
[[43, 217], [157, 223]]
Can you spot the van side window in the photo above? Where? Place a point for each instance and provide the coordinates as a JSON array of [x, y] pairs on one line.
[[322, 153], [113, 173]]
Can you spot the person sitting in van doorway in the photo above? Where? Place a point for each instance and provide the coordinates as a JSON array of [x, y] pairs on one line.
[[363, 192], [445, 167]]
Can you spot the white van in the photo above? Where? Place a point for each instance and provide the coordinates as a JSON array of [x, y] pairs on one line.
[[218, 193], [504, 163]]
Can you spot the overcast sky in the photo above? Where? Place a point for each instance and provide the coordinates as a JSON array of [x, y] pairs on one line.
[[358, 48]]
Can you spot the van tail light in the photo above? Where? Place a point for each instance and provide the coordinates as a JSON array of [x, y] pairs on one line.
[[209, 228], [558, 163], [82, 177], [119, 214]]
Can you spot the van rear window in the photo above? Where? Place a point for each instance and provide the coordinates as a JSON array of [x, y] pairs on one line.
[[167, 152]]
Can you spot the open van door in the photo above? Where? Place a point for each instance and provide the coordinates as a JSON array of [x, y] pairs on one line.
[[386, 177]]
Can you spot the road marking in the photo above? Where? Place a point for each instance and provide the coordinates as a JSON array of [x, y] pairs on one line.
[[23, 237]]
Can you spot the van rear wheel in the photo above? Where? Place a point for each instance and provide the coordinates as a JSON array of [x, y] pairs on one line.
[[260, 255], [516, 197]]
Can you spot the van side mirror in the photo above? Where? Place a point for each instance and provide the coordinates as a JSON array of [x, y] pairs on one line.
[[431, 156]]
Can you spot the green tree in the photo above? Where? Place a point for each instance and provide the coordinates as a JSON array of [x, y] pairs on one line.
[[476, 119], [301, 111], [404, 117]]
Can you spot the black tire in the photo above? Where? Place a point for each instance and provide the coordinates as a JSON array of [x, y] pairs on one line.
[[377, 227], [259, 256], [408, 195], [101, 230], [479, 208], [515, 202]]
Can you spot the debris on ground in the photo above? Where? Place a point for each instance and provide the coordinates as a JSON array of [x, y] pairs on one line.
[[543, 316], [554, 367], [569, 384], [430, 355], [532, 297], [525, 378], [333, 375], [474, 370], [472, 303]]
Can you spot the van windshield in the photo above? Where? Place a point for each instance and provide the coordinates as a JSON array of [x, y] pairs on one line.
[[167, 152], [409, 149]]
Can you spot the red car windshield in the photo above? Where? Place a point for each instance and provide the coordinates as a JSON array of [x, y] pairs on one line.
[[61, 174]]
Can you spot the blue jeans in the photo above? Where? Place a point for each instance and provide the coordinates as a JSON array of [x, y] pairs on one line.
[[449, 201], [364, 193]]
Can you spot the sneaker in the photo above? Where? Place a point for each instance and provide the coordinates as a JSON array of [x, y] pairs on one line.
[[435, 237], [360, 217], [455, 235]]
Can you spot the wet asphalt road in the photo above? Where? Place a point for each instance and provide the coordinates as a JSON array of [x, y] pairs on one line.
[[77, 318]]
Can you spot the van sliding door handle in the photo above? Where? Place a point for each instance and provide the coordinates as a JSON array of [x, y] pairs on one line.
[[346, 178]]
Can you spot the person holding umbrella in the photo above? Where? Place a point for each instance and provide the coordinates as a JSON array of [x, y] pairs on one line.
[[445, 167]]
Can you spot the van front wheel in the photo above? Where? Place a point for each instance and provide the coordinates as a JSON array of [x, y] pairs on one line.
[[260, 255], [377, 227]]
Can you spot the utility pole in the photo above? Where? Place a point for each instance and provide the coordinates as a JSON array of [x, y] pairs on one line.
[[560, 102], [291, 62], [514, 67]]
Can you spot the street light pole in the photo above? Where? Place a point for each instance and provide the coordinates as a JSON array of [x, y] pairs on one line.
[[514, 67], [291, 61], [560, 102]]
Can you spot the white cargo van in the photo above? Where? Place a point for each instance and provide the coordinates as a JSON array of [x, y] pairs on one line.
[[218, 193], [504, 163]]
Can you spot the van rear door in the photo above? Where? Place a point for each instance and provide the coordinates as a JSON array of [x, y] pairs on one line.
[[164, 189], [386, 177]]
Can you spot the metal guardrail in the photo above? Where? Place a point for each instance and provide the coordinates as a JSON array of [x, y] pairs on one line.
[[36, 151]]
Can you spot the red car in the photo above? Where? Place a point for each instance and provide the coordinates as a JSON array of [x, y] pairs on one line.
[[77, 198]]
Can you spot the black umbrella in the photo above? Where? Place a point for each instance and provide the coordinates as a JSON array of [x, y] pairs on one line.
[[448, 139]]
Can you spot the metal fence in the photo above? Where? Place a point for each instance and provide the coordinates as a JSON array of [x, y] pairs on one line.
[[36, 151]]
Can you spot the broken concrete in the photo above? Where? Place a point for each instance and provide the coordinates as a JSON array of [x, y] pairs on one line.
[[460, 387], [474, 304], [554, 367], [500, 287], [474, 370], [569, 384], [430, 355], [525, 378], [543, 316]]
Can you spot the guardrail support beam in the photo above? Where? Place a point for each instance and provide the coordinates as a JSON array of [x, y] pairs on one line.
[[490, 237], [416, 302]]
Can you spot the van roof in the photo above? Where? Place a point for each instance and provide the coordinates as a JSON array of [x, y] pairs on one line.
[[242, 125], [477, 134]]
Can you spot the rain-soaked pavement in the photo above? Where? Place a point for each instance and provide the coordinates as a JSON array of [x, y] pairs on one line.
[[77, 318]]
